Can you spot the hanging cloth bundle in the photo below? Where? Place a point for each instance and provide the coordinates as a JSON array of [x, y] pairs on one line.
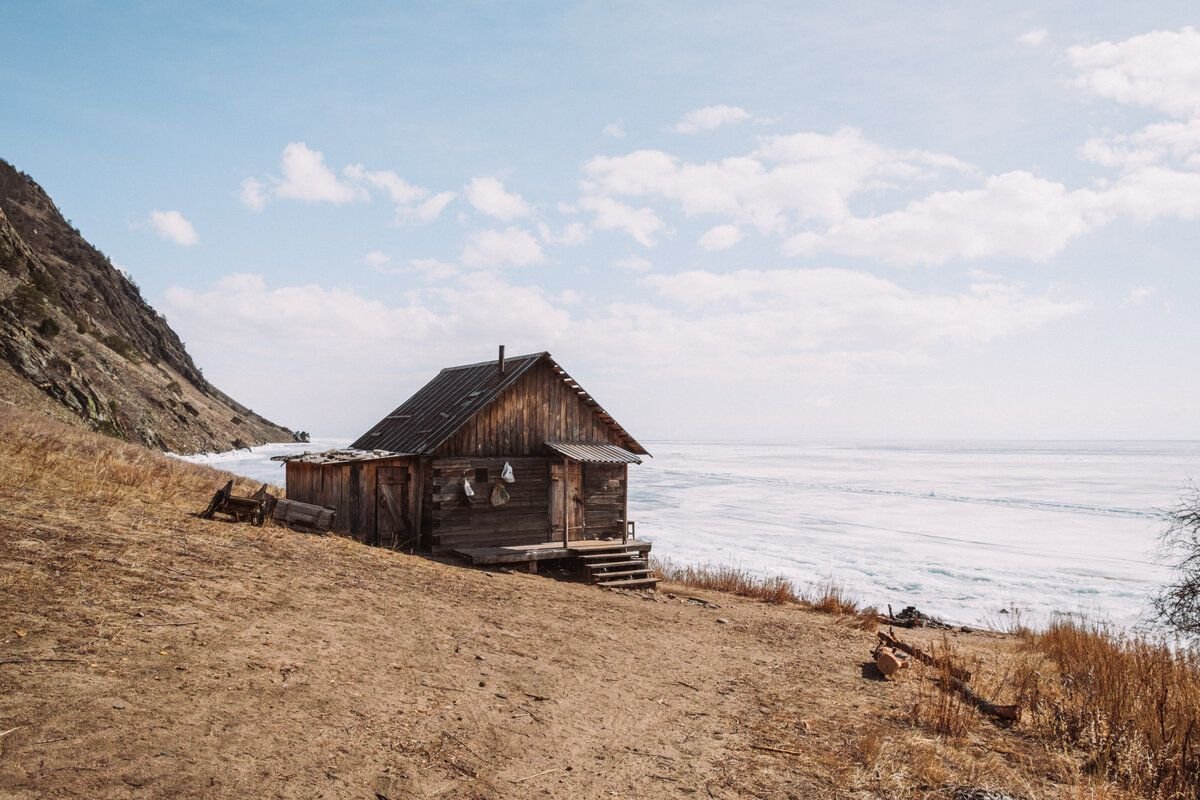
[[506, 474], [467, 490], [499, 495]]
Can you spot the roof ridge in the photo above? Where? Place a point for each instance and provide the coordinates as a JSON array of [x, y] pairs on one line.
[[495, 360]]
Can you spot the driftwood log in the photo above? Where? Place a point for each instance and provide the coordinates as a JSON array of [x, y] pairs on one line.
[[1005, 713], [920, 655], [910, 617]]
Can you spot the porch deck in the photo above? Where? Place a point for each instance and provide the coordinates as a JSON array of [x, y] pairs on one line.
[[546, 551]]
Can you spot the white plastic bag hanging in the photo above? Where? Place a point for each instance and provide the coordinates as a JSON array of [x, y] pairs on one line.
[[506, 474], [467, 490]]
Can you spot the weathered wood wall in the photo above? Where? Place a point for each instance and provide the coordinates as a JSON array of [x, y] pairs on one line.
[[604, 488], [456, 521], [351, 490], [539, 407]]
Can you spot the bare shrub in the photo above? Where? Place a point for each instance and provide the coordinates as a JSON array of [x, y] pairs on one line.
[[1178, 604]]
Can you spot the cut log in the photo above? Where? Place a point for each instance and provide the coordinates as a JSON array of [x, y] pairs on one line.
[[888, 662]]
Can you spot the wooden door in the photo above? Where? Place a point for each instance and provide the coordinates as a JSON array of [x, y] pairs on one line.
[[393, 523], [573, 498]]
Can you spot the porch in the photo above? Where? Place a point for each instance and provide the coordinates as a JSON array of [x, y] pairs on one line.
[[604, 562], [547, 551]]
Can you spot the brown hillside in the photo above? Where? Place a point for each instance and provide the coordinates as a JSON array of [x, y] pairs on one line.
[[78, 342], [147, 653]]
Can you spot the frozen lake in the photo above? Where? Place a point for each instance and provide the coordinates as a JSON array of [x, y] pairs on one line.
[[959, 529]]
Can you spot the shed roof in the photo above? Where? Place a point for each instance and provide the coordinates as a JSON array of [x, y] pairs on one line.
[[455, 395], [345, 456], [594, 453]]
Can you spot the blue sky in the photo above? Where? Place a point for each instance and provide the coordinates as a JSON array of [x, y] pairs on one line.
[[754, 220]]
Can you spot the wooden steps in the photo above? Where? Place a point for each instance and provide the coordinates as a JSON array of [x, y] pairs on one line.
[[619, 566]]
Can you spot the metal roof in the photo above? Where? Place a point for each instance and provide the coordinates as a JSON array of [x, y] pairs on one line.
[[339, 456], [455, 395], [594, 453]]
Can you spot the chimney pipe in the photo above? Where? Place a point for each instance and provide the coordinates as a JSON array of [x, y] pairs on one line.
[[501, 359]]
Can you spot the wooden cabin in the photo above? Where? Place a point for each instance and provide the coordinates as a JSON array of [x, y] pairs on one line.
[[431, 475]]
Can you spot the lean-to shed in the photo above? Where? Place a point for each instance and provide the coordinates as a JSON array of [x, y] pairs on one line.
[[508, 452]]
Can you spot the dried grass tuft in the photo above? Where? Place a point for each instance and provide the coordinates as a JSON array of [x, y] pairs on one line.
[[828, 597], [728, 579], [1130, 704]]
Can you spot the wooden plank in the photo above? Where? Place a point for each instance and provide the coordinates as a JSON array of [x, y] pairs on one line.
[[508, 555]]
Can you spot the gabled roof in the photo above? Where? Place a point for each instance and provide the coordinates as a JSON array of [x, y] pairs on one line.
[[445, 404]]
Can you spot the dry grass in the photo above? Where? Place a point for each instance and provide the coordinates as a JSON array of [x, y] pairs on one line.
[[728, 579], [1131, 705], [107, 475], [934, 706], [827, 598]]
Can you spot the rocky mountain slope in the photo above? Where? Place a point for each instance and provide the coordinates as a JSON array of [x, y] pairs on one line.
[[78, 342]]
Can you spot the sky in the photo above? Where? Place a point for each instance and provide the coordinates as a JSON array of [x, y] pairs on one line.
[[751, 221]]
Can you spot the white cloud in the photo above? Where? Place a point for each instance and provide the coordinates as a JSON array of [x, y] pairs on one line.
[[721, 237], [1153, 144], [813, 308], [427, 211], [573, 233], [301, 324], [396, 188], [1034, 37], [781, 322], [511, 246], [615, 129], [634, 264], [489, 196], [640, 223], [1153, 193], [174, 227], [377, 259], [710, 117], [306, 177], [1138, 295], [1015, 214], [1160, 70], [786, 179], [253, 194]]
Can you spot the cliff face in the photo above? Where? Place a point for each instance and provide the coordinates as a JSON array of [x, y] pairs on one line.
[[78, 342]]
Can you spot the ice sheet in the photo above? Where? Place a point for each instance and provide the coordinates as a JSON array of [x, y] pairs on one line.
[[959, 529]]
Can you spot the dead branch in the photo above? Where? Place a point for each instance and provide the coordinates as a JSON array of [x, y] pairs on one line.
[[1004, 713], [539, 774], [770, 749], [920, 655]]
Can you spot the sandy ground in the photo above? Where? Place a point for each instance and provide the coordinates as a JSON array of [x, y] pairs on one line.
[[147, 653]]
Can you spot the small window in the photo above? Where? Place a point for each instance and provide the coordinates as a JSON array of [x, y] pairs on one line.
[[481, 475]]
